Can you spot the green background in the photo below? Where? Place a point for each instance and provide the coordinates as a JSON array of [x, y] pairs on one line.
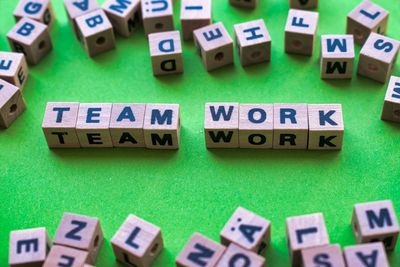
[[194, 189]]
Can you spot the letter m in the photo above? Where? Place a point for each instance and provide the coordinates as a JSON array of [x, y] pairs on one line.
[[158, 118], [332, 44], [379, 220], [120, 6]]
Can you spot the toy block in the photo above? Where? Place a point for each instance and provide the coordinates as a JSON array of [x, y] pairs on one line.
[[253, 41], [87, 265], [337, 56], [124, 15], [39, 10], [77, 8], [326, 128], [300, 32], [367, 17], [303, 4], [221, 125], [376, 221], [28, 247], [92, 126], [214, 45], [377, 57], [330, 255], [157, 16], [200, 251], [31, 38], [237, 256], [65, 256], [244, 3], [195, 14], [12, 103], [371, 255], [166, 53], [137, 242], [391, 106], [162, 125], [14, 69], [290, 126], [126, 125], [304, 232], [59, 123], [248, 230], [95, 32]]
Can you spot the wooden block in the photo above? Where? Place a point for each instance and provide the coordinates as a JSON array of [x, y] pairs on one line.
[[337, 56], [137, 242], [31, 38], [391, 106], [221, 125], [95, 32], [162, 125], [369, 255], [326, 127], [12, 103], [157, 16], [248, 230], [303, 4], [126, 125], [39, 10], [377, 57], [93, 125], [200, 251], [304, 232], [76, 9], [87, 265], [330, 256], [65, 256], [29, 247], [244, 3], [376, 221], [290, 126], [14, 69], [215, 46], [123, 15], [300, 32], [367, 17], [195, 14], [237, 256]]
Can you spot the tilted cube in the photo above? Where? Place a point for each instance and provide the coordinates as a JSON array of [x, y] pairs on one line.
[[195, 14], [39, 10], [123, 15], [391, 106], [14, 69], [76, 9], [157, 16], [12, 104], [373, 255]]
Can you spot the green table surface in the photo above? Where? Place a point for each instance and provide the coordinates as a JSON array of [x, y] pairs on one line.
[[195, 189]]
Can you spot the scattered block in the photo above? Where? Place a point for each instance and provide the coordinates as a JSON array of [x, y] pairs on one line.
[[14, 69], [124, 15], [166, 53], [195, 14], [247, 230], [391, 106], [244, 3], [237, 256], [253, 41], [157, 16], [221, 125], [137, 242], [12, 104], [374, 222], [303, 4], [330, 255], [300, 32], [65, 256], [31, 38], [326, 127], [215, 46], [337, 56], [200, 251], [367, 17], [39, 10], [28, 247], [373, 255], [377, 57], [76, 9]]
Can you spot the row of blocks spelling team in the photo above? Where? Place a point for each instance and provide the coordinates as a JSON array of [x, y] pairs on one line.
[[244, 240]]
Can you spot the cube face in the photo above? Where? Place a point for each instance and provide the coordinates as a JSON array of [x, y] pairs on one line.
[[76, 9], [12, 104], [195, 14], [39, 10], [14, 69], [303, 4], [362, 255], [65, 256], [330, 255], [391, 107], [157, 16], [123, 15], [235, 255], [244, 3]]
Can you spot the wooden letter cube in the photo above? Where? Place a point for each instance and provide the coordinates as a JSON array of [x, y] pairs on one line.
[[326, 127], [166, 53], [157, 16], [14, 69], [337, 56], [330, 255], [391, 106], [221, 125], [39, 10], [371, 255], [367, 17], [28, 247], [137, 242], [200, 251], [377, 57], [237, 256], [253, 41], [126, 125], [215, 46], [300, 32], [244, 3], [59, 125], [12, 103], [303, 4], [290, 126], [65, 256], [303, 232], [248, 230], [124, 15], [76, 9], [376, 221], [31, 38], [195, 14]]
